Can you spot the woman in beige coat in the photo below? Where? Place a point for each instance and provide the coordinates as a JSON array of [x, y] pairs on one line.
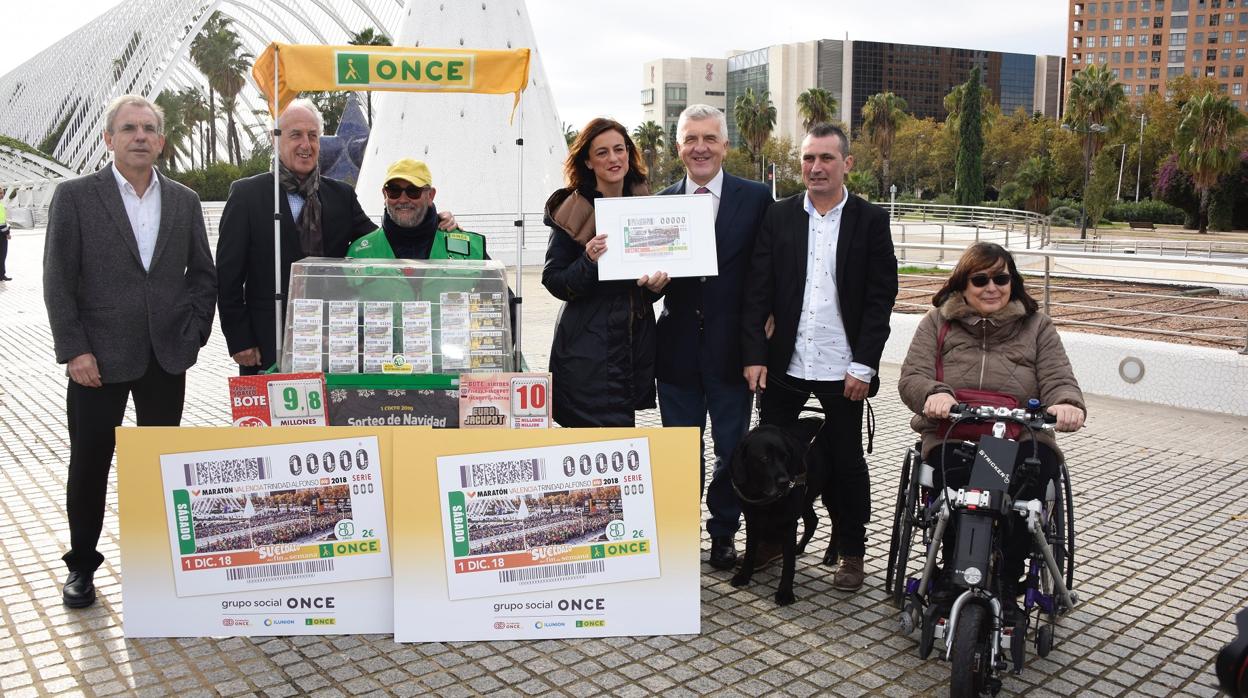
[[995, 340]]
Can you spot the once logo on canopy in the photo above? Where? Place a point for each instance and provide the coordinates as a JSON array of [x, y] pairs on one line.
[[428, 70]]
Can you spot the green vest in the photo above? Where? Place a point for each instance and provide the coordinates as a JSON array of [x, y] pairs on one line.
[[453, 244], [4, 215]]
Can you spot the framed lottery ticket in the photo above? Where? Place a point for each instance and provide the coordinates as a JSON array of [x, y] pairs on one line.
[[645, 234], [254, 531], [561, 533]]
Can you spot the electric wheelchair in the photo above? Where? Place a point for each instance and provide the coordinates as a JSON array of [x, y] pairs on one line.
[[967, 617]]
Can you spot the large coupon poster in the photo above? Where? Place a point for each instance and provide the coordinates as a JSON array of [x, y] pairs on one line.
[[570, 533], [280, 531]]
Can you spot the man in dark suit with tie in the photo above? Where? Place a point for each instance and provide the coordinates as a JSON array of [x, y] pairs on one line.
[[699, 362], [320, 217], [824, 268], [130, 290]]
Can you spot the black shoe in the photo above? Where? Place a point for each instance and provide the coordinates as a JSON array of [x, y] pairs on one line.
[[723, 553], [6, 278], [79, 591]]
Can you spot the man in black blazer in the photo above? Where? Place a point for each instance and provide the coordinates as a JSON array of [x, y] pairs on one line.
[[824, 268], [320, 217], [699, 362], [129, 287]]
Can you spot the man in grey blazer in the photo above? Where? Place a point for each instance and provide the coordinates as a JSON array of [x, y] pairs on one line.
[[130, 289]]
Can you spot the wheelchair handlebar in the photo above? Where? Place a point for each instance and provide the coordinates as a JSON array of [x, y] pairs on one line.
[[1035, 418]]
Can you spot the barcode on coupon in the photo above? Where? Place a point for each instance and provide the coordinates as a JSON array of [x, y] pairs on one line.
[[213, 472], [567, 569], [504, 472], [279, 569]]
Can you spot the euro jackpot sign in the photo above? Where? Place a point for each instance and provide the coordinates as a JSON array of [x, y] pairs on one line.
[[426, 71]]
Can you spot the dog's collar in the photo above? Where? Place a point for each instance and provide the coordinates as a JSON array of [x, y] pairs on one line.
[[799, 481]]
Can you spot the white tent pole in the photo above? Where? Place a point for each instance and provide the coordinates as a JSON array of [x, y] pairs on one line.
[[277, 213], [519, 233]]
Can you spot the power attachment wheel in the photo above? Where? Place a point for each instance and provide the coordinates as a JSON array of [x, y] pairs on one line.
[[971, 655], [910, 617]]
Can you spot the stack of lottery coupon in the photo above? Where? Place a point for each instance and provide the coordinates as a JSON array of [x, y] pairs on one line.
[[418, 335], [378, 335], [305, 342], [453, 315], [487, 347], [344, 337]]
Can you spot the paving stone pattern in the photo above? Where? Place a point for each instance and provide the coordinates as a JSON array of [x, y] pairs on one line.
[[1162, 569]]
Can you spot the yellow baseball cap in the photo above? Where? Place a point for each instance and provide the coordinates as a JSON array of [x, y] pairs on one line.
[[409, 170]]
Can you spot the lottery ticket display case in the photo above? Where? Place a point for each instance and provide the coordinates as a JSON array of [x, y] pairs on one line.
[[397, 317]]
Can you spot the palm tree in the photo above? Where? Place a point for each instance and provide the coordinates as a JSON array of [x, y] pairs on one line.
[[649, 138], [569, 133], [207, 52], [817, 106], [1205, 141], [1096, 97], [369, 37], [195, 113], [756, 117], [229, 82], [1035, 177], [176, 126], [881, 116]]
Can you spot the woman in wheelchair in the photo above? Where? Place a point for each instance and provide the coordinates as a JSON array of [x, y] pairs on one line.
[[986, 342]]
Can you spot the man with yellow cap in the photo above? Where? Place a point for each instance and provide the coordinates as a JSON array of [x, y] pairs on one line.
[[409, 229]]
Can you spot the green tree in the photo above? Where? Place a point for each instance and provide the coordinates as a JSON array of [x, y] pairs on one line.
[[208, 50], [331, 105], [916, 162], [1035, 181], [787, 158], [882, 114], [817, 106], [970, 161], [1096, 97], [194, 107], [756, 117], [230, 79], [176, 127], [569, 133], [649, 139], [1205, 142]]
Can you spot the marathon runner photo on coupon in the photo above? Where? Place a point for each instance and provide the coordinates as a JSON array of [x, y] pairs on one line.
[[554, 517], [267, 517]]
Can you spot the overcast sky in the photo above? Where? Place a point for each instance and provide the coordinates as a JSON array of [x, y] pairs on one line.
[[593, 51]]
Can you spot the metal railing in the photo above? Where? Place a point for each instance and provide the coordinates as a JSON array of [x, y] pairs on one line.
[[1047, 277], [971, 223], [1161, 248]]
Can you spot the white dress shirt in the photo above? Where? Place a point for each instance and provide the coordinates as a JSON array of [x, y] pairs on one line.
[[143, 212], [821, 351], [716, 187]]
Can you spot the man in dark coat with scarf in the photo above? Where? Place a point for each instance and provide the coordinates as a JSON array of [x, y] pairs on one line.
[[319, 218]]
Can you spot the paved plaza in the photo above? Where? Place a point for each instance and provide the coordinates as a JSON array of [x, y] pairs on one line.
[[1161, 497]]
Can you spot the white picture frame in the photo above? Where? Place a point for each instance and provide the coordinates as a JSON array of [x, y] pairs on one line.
[[646, 234]]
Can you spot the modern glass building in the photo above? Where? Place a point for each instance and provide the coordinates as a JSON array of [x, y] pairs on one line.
[[852, 71]]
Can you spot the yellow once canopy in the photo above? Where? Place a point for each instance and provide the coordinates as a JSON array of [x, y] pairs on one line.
[[309, 68]]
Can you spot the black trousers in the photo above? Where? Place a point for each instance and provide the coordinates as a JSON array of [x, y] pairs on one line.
[[93, 414], [1015, 539], [782, 402], [4, 252]]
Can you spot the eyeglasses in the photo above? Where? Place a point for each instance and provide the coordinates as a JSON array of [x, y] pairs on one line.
[[393, 191], [981, 280]]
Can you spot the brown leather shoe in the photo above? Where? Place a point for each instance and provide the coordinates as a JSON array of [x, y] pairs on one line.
[[849, 576]]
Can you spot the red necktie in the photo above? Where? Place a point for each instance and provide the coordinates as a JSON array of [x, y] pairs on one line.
[[701, 190]]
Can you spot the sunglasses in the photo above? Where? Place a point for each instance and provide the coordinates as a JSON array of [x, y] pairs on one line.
[[393, 191], [981, 280]]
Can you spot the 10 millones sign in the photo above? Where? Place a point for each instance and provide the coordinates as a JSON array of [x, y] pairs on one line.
[[424, 70]]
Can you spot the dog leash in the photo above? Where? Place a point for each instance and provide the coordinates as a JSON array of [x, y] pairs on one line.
[[870, 415]]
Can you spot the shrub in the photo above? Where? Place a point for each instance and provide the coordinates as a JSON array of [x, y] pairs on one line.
[[1146, 210], [1065, 216]]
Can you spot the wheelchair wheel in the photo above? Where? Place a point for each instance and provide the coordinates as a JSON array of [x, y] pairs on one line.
[[1069, 538], [903, 528]]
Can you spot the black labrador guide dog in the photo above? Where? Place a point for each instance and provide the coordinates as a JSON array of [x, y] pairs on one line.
[[777, 472]]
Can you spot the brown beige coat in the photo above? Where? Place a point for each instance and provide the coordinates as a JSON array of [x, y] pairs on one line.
[[1008, 352]]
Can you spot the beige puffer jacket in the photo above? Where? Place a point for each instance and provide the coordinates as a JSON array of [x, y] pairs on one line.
[[1007, 352]]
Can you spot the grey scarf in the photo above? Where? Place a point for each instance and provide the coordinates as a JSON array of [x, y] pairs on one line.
[[309, 223]]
